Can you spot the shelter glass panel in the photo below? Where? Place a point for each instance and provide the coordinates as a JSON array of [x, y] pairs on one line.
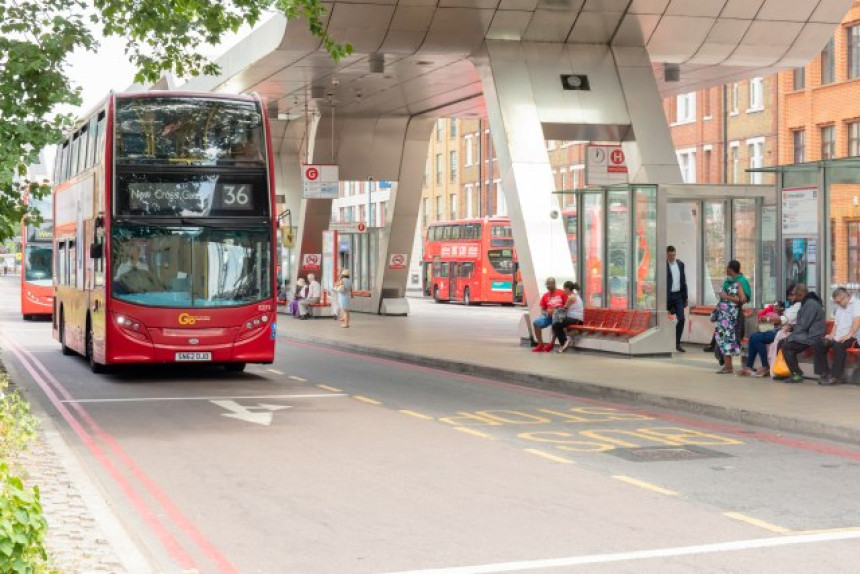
[[645, 227], [619, 249], [769, 255], [715, 250], [593, 211], [745, 240]]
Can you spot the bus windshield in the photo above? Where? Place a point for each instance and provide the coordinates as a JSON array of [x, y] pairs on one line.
[[190, 266], [190, 131], [37, 264]]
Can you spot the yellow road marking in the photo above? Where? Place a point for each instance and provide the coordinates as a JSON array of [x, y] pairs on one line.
[[328, 388], [645, 485], [473, 432], [366, 400], [418, 415], [295, 378], [756, 522], [828, 530], [549, 456], [276, 371]]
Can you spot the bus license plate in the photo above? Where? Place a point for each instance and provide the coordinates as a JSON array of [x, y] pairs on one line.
[[197, 356]]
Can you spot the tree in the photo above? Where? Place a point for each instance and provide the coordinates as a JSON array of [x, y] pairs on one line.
[[38, 36]]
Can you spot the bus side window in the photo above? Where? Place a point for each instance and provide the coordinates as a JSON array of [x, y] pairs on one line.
[[100, 144], [455, 231], [467, 270]]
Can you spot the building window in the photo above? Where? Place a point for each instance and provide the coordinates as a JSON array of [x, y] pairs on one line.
[[439, 168], [427, 173], [799, 81], [439, 130], [550, 144], [453, 128], [755, 149], [439, 208], [853, 130], [686, 108], [827, 64], [467, 142], [470, 213], [562, 179], [734, 98], [706, 104], [854, 251], [425, 211], [734, 158], [452, 165], [453, 206], [756, 95], [852, 46], [828, 142], [706, 169], [501, 205], [687, 162], [799, 137]]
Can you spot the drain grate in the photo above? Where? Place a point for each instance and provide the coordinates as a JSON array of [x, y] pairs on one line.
[[666, 453]]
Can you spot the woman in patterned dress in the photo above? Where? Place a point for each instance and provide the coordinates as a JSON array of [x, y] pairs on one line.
[[735, 292]]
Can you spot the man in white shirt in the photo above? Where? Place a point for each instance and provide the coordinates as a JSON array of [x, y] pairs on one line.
[[314, 296], [676, 280], [841, 337]]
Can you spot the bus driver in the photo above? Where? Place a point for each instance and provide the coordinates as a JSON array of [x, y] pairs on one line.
[[133, 274]]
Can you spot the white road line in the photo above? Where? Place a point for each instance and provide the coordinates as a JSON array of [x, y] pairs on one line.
[[299, 379], [155, 399], [276, 371], [640, 554]]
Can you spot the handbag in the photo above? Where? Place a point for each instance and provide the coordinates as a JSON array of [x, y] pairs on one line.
[[715, 315], [780, 367], [558, 315]]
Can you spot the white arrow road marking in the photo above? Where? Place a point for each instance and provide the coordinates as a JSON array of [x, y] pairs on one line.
[[250, 414]]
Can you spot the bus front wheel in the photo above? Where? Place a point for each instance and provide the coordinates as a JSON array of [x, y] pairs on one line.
[[436, 294], [66, 350], [467, 297]]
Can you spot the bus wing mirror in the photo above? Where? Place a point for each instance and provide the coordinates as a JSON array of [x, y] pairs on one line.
[[96, 251]]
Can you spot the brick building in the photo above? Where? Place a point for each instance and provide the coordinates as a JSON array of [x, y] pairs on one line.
[[820, 120]]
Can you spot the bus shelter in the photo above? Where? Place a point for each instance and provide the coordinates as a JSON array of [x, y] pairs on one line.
[[819, 231], [618, 237]]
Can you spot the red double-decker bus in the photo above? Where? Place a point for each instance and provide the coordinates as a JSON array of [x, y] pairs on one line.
[[164, 232], [470, 260], [37, 287]]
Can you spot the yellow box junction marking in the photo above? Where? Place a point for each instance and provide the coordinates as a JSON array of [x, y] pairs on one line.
[[473, 432], [549, 456], [645, 485], [418, 415], [756, 522], [328, 388], [366, 400]]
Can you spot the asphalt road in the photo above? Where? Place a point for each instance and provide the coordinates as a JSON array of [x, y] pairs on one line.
[[329, 461]]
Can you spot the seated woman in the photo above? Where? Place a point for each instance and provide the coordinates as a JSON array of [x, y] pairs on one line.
[[768, 319], [572, 313], [299, 294]]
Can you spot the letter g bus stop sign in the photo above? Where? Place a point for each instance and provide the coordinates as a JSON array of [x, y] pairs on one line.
[[320, 181]]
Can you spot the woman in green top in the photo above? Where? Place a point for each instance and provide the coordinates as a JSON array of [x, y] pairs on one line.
[[735, 292]]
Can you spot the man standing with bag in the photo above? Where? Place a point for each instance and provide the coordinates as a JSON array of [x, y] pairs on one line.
[[676, 280]]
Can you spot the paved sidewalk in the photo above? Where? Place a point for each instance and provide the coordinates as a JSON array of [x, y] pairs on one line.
[[484, 341], [84, 536]]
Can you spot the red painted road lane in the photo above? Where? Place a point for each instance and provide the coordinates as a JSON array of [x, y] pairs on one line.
[[175, 548]]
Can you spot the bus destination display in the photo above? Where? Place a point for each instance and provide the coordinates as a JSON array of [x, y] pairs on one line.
[[189, 198]]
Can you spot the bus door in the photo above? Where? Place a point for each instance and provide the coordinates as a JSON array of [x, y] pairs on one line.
[[453, 276], [427, 278]]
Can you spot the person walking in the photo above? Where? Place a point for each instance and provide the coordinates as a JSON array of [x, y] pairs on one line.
[[733, 295], [314, 294], [572, 313], [553, 299], [841, 338], [676, 279], [810, 328], [343, 288]]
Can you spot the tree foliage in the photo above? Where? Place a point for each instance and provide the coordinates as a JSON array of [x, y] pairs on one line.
[[38, 36]]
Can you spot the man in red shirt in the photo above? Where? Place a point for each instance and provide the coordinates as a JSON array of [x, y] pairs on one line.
[[553, 299]]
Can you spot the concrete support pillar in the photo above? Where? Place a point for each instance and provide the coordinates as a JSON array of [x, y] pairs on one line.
[[527, 103], [526, 176], [649, 149]]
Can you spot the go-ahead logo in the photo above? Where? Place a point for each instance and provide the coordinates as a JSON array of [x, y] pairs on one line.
[[189, 319]]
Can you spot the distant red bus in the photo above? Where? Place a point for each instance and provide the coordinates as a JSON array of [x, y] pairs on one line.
[[470, 260], [37, 288], [164, 232]]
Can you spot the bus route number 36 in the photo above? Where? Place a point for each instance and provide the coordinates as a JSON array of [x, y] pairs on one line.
[[235, 196]]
